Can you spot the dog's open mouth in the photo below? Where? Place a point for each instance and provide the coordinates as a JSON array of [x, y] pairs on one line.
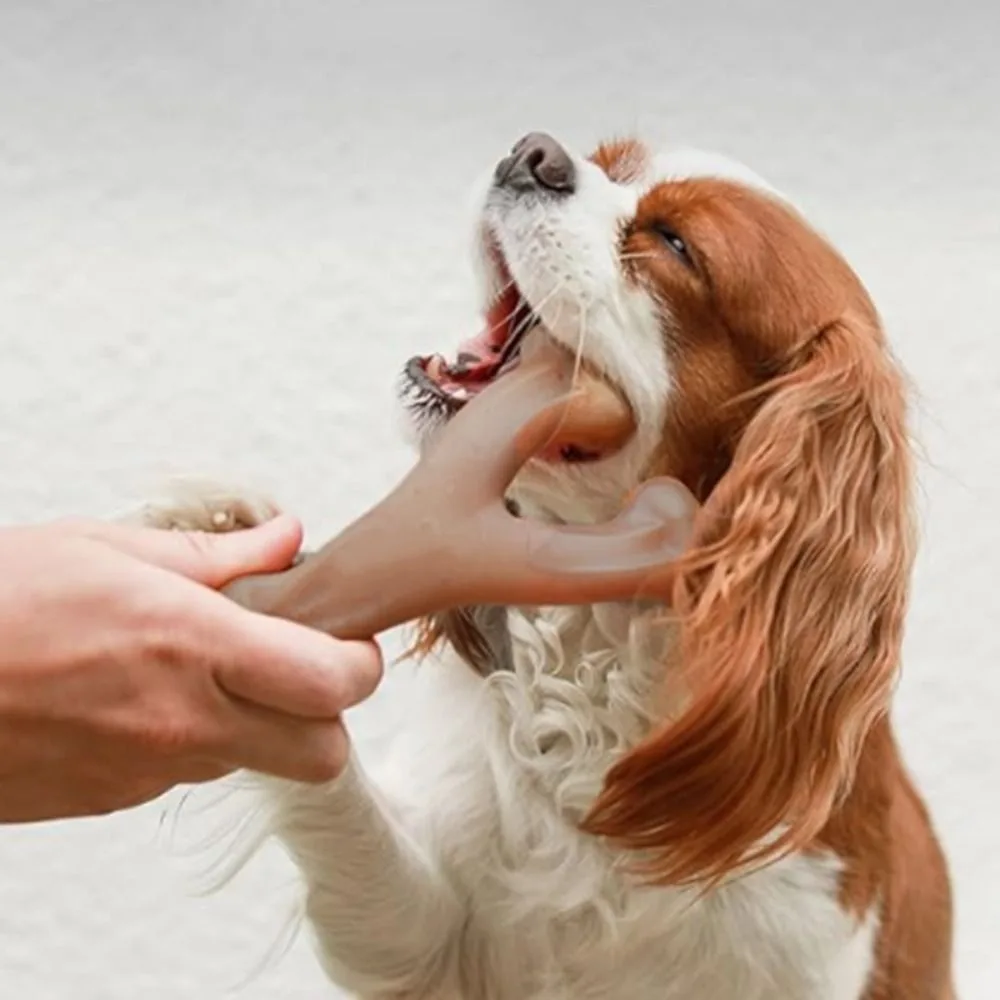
[[481, 359], [435, 388]]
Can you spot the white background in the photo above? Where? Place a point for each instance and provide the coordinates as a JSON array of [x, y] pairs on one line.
[[224, 225]]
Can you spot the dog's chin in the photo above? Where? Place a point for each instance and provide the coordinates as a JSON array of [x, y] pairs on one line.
[[577, 484]]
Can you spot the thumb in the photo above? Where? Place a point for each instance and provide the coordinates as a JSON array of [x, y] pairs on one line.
[[211, 559]]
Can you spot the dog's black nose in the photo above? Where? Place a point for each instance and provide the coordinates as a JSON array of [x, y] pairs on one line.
[[537, 162]]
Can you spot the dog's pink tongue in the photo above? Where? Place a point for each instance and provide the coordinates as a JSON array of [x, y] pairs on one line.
[[479, 356]]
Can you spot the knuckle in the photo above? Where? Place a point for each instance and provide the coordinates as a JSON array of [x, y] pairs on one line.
[[355, 677], [170, 630], [329, 756], [369, 670], [162, 644], [174, 717], [331, 694]]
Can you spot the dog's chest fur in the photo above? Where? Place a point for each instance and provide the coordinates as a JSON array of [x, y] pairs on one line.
[[493, 773]]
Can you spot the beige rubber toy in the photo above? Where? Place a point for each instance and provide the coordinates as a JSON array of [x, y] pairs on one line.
[[444, 537]]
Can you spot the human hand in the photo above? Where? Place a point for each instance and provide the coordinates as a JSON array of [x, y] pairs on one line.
[[124, 673]]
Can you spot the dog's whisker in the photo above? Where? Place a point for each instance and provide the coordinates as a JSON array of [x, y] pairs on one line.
[[547, 298], [580, 346]]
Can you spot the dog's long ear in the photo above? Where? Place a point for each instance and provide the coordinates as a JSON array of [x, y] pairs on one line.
[[791, 610], [478, 635]]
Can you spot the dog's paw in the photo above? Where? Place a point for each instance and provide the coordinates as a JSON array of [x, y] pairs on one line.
[[197, 505]]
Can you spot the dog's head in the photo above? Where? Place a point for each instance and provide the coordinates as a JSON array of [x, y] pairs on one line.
[[758, 374]]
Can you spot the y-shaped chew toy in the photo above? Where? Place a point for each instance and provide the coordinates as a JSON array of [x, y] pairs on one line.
[[444, 538]]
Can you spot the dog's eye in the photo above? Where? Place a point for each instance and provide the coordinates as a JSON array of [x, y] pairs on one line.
[[675, 242]]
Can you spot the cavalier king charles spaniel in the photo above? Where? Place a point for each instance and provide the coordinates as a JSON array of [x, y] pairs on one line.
[[699, 798]]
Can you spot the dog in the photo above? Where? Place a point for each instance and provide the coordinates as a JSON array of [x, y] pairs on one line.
[[698, 798]]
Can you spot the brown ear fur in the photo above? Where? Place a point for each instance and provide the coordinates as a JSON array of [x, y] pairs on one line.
[[477, 635], [791, 608]]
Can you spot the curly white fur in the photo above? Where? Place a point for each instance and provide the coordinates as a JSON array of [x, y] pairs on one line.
[[452, 869]]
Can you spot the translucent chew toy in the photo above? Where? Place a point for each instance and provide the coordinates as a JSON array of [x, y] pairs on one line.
[[444, 537]]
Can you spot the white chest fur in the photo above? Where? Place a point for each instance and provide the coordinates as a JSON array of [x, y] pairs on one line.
[[483, 789]]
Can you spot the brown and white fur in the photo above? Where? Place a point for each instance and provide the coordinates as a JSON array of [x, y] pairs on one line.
[[696, 801]]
